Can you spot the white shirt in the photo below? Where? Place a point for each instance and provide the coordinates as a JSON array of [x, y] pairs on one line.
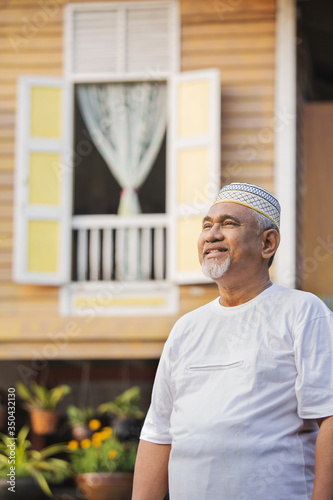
[[237, 393]]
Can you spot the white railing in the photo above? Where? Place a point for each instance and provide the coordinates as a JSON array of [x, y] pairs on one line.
[[123, 248]]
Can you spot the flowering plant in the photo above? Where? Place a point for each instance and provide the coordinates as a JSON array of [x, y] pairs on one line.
[[102, 453]]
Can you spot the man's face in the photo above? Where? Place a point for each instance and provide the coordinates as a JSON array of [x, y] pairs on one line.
[[229, 243]]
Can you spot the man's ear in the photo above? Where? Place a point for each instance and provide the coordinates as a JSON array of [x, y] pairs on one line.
[[270, 243]]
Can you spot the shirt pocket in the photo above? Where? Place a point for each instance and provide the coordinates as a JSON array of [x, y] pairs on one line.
[[205, 367]]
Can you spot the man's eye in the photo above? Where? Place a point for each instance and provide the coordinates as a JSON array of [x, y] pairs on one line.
[[229, 223], [207, 226]]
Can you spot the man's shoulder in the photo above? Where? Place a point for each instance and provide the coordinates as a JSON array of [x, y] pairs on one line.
[[300, 300]]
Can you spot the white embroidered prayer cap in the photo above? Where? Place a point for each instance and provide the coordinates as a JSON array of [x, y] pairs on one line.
[[251, 196]]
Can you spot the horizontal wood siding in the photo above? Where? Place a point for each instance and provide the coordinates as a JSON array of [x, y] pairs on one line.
[[239, 39], [235, 36]]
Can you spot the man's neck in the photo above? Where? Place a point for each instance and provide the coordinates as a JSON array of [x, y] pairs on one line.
[[231, 296]]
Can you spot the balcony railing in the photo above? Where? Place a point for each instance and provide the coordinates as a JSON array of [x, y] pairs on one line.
[[122, 248]]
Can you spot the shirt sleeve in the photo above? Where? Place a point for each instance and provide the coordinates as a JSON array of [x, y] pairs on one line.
[[156, 427], [314, 363]]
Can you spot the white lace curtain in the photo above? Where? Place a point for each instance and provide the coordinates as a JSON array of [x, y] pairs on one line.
[[127, 123]]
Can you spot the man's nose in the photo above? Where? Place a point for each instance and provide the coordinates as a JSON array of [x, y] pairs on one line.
[[215, 233]]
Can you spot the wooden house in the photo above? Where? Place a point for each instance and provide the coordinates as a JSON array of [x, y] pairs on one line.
[[85, 272]]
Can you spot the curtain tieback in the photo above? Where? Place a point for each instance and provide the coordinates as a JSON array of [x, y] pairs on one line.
[[136, 190]]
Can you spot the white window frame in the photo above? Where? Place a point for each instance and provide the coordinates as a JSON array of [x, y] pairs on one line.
[[68, 292]]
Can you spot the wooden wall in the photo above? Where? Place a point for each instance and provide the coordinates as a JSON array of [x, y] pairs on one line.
[[238, 37], [316, 266]]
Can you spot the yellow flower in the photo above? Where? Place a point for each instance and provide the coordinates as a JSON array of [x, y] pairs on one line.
[[112, 454], [106, 432], [94, 424], [97, 439], [73, 445], [85, 443]]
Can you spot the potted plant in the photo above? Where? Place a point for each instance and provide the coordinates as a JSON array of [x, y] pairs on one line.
[[28, 472], [103, 466], [41, 404], [126, 413], [78, 419]]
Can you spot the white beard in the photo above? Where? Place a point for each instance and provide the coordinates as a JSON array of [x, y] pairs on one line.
[[215, 269]]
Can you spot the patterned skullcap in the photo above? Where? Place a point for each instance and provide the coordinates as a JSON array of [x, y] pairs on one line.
[[251, 196]]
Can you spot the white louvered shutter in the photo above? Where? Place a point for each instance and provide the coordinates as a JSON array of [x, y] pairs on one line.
[[127, 38], [193, 165], [96, 44]]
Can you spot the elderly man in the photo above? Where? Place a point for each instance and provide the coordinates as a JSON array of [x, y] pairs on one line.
[[244, 381]]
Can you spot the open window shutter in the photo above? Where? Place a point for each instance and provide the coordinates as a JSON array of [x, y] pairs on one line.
[[42, 183], [194, 165]]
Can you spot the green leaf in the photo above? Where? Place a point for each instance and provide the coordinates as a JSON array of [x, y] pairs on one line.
[[41, 481], [42, 395], [53, 449], [22, 435], [125, 405], [58, 393], [23, 391]]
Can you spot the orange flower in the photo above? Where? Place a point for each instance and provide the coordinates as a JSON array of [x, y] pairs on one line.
[[94, 424], [106, 432], [85, 443], [112, 454], [73, 445], [97, 439]]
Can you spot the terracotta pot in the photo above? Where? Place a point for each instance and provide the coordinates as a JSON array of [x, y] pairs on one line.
[[43, 421], [106, 485]]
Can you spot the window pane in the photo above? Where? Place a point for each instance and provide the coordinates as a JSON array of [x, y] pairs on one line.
[[43, 237], [46, 106]]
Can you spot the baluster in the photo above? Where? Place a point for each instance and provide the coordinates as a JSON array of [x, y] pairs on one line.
[[132, 254], [107, 254], [146, 251], [82, 254], [119, 255], [159, 253], [94, 255]]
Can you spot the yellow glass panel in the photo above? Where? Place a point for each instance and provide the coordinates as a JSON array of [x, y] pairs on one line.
[[43, 244], [120, 302], [46, 112], [193, 118], [193, 175], [44, 183], [189, 230]]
